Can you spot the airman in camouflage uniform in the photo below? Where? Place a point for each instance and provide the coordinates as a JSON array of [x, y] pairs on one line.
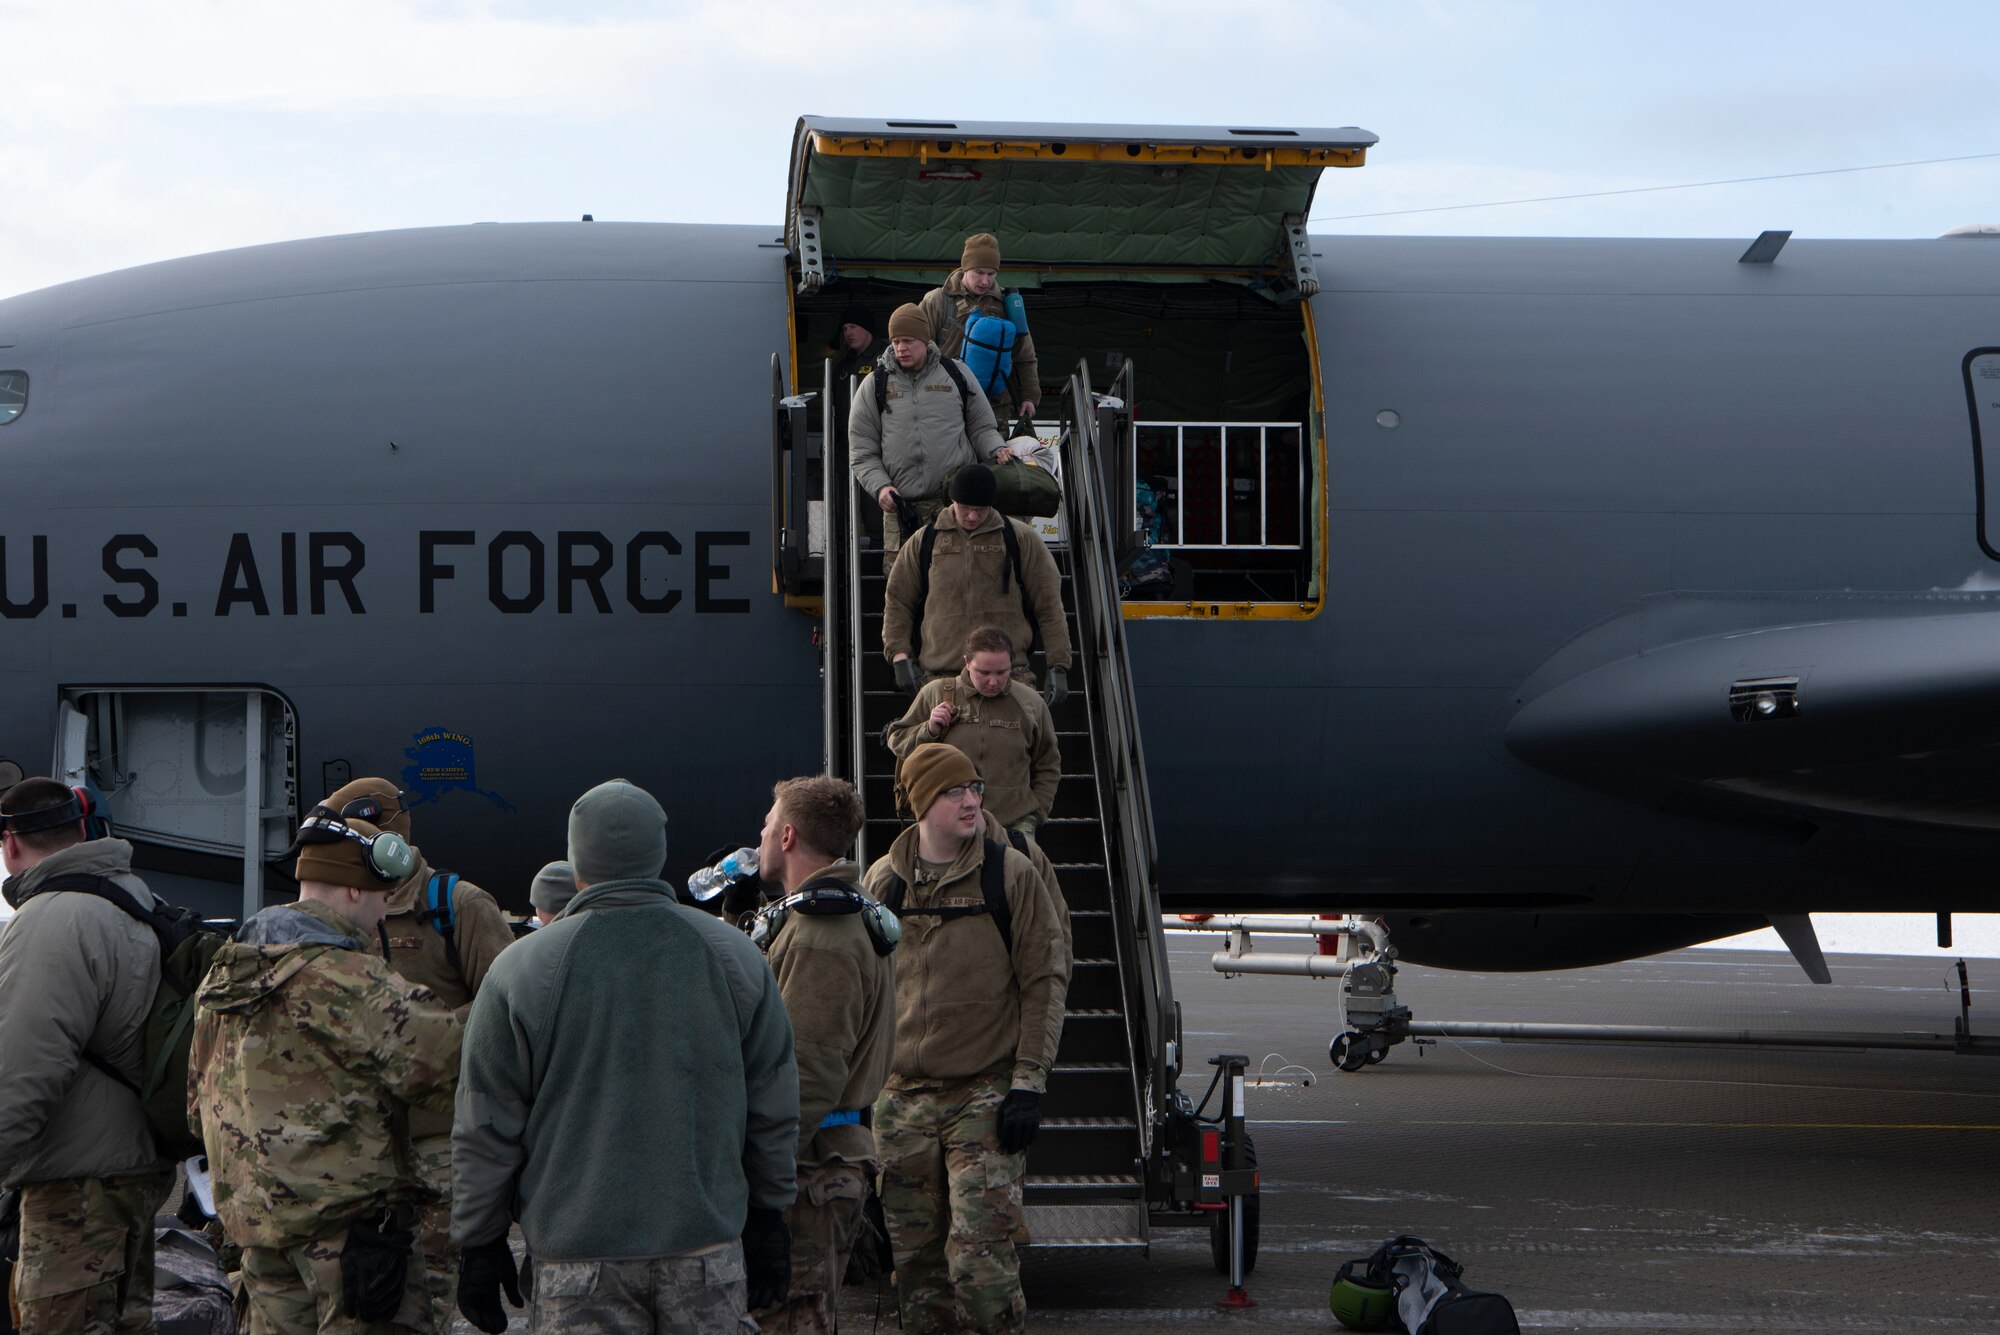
[[308, 1054], [77, 977], [450, 957], [978, 1020], [840, 992]]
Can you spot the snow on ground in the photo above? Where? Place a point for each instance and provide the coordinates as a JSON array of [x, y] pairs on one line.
[[1974, 935]]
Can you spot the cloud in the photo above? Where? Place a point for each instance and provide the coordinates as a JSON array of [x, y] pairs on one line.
[[203, 123]]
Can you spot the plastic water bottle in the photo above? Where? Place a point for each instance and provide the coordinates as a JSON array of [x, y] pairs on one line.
[[1017, 312], [709, 882]]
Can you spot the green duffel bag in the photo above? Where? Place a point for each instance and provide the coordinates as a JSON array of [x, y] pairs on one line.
[[1023, 490]]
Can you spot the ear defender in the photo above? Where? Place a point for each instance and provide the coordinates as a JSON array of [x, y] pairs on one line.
[[390, 856]]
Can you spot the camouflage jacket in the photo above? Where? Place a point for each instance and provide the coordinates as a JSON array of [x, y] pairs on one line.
[[307, 1054]]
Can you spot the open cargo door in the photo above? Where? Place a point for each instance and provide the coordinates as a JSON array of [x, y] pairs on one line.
[[1099, 196], [1183, 248]]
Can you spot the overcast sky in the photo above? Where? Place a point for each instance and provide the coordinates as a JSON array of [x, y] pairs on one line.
[[147, 129]]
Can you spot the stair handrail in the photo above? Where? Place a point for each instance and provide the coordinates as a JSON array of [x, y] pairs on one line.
[[1124, 796], [857, 719], [840, 628]]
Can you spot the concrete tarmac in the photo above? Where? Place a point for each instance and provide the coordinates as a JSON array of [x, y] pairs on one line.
[[1692, 1191], [1601, 1188]]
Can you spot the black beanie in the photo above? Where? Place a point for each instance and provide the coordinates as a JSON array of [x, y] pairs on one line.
[[974, 485], [855, 315]]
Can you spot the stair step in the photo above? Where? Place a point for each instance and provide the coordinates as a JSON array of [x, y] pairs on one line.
[[1080, 1183], [1095, 1013], [1089, 1124], [1089, 1068]]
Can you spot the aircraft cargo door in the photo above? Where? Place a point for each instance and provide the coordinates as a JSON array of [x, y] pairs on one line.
[[1182, 248]]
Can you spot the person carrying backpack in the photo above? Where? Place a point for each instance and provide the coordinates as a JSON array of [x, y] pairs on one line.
[[971, 567], [444, 934], [982, 974], [308, 1058], [1004, 355], [78, 975], [916, 418]]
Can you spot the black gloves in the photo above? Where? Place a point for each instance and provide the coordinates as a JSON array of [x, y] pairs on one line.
[[1020, 1119], [909, 679], [767, 1255], [483, 1271], [1057, 693]]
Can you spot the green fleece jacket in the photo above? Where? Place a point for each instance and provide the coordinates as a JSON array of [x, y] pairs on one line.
[[628, 1090]]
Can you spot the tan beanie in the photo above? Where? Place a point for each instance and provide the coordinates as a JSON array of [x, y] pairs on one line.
[[929, 770], [908, 321], [982, 251], [394, 818], [341, 861]]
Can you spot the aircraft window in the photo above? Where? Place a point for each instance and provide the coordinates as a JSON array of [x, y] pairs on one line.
[[13, 395]]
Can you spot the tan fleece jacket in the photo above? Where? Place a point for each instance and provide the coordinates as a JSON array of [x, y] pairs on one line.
[[841, 997], [417, 952], [946, 308], [1010, 738], [964, 1007], [966, 593]]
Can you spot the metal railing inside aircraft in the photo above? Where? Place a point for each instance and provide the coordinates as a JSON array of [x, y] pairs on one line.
[[1248, 465]]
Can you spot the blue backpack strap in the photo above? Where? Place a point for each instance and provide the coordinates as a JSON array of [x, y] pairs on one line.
[[438, 912]]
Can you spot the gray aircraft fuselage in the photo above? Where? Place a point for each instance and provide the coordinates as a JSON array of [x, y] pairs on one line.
[[509, 484]]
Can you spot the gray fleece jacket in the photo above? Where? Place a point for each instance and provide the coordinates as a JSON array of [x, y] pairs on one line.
[[628, 1088], [77, 974], [926, 430]]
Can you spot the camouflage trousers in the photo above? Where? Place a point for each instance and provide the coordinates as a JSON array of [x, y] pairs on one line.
[[702, 1294], [952, 1200], [824, 1222], [892, 526], [296, 1291], [86, 1264], [433, 1156]]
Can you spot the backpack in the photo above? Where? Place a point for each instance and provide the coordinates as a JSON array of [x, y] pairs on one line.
[[1010, 571], [988, 351], [1430, 1299], [1026, 490], [187, 947], [437, 896], [992, 889]]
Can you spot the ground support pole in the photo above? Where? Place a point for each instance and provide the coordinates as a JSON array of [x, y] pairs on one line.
[[1235, 1171]]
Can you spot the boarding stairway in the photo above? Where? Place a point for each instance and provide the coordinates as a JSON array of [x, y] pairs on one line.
[[1093, 1171]]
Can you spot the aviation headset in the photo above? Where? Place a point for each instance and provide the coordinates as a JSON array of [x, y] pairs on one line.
[[389, 857], [83, 805], [826, 896]]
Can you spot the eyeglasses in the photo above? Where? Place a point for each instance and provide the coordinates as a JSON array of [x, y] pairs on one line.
[[958, 790]]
